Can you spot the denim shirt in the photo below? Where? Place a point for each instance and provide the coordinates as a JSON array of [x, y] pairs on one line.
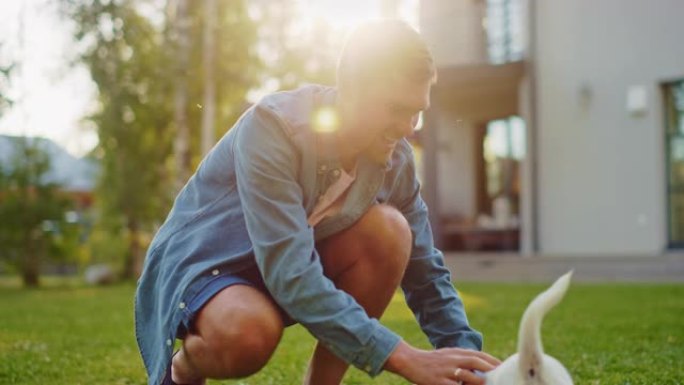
[[248, 204]]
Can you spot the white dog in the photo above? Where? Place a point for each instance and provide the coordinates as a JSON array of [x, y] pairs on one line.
[[530, 366]]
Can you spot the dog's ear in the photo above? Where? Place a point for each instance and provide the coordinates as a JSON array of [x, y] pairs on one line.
[[530, 350]]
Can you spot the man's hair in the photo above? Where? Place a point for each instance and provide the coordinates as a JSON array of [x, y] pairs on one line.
[[380, 50]]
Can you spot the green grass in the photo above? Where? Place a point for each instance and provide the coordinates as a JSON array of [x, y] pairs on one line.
[[605, 334]]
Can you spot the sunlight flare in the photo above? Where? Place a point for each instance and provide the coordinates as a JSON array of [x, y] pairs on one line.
[[326, 120]]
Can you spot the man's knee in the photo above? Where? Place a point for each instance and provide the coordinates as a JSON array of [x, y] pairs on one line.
[[386, 234], [385, 226], [243, 339], [247, 350]]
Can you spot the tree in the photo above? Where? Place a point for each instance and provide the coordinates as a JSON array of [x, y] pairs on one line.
[[150, 82], [181, 39], [123, 51], [228, 71], [33, 227], [294, 53], [208, 50], [5, 71], [169, 77]]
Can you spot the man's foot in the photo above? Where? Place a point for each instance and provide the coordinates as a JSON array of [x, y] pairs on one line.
[[179, 372]]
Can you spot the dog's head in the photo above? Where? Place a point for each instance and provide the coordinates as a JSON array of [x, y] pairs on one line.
[[530, 366]]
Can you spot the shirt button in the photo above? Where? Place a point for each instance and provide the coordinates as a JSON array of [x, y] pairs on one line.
[[214, 272], [324, 167], [181, 305], [336, 172], [169, 342]]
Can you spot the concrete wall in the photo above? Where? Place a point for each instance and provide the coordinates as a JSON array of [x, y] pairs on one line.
[[601, 169]]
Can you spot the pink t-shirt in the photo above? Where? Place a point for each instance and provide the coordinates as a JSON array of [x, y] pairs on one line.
[[330, 203]]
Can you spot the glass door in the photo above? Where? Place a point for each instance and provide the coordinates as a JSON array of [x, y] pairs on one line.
[[674, 138]]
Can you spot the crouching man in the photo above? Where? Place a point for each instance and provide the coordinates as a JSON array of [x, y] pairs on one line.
[[296, 219]]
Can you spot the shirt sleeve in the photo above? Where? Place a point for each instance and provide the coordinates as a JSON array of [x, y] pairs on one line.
[[267, 164], [427, 282]]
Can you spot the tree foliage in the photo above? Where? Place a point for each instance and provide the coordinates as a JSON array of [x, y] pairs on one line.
[[123, 51], [33, 228], [294, 52], [236, 69], [5, 71], [150, 77], [131, 59]]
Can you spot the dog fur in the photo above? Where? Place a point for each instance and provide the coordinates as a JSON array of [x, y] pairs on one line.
[[530, 366]]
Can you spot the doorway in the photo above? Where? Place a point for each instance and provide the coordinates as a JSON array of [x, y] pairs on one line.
[[497, 154]]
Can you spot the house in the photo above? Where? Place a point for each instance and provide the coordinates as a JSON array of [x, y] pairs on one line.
[[557, 127], [75, 176]]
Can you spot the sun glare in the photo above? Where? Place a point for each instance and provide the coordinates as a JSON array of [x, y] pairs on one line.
[[340, 15], [338, 18], [326, 120], [343, 16]]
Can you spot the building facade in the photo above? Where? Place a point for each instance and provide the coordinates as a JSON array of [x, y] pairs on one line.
[[557, 127]]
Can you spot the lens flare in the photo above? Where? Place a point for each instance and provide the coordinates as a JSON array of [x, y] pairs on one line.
[[326, 120]]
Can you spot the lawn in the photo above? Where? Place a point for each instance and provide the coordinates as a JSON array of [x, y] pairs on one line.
[[605, 334]]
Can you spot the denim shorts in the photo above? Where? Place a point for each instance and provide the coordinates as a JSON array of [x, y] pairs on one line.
[[250, 277]]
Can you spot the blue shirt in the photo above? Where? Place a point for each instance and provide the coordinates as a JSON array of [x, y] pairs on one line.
[[248, 204]]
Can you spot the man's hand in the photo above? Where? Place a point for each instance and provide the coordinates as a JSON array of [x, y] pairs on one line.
[[439, 367]]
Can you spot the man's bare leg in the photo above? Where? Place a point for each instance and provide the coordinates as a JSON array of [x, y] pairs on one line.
[[367, 261], [236, 333]]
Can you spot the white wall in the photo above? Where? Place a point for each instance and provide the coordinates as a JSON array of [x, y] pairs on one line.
[[453, 30], [602, 170], [456, 167]]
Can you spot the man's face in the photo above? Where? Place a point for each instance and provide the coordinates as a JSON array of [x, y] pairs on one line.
[[384, 114]]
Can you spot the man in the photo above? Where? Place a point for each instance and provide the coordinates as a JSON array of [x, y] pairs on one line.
[[293, 218]]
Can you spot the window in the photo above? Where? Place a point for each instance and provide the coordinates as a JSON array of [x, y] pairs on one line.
[[504, 30], [674, 138]]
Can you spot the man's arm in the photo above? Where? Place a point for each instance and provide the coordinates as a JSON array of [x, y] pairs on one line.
[[427, 282], [266, 164], [436, 304]]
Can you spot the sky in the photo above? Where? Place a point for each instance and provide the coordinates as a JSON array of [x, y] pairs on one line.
[[51, 98]]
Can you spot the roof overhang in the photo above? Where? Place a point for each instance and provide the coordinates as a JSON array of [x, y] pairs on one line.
[[479, 93]]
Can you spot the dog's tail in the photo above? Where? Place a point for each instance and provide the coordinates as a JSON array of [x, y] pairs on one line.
[[530, 348]]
